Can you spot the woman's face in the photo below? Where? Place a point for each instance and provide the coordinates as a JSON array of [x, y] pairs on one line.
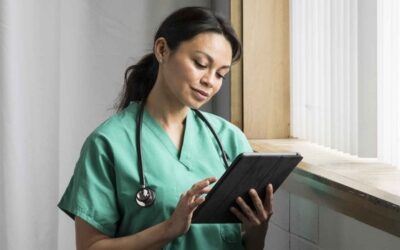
[[193, 73]]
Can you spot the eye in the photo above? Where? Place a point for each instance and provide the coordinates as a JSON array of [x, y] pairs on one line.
[[199, 65], [220, 76]]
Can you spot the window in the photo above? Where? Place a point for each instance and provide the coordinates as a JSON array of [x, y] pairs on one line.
[[389, 81], [344, 59]]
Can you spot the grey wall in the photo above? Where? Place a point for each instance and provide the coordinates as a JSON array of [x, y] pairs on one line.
[[220, 104]]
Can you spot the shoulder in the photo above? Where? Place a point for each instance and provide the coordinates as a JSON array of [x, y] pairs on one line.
[[118, 128], [221, 125], [233, 139], [229, 132]]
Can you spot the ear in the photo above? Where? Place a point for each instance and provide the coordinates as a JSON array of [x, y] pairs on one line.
[[161, 49]]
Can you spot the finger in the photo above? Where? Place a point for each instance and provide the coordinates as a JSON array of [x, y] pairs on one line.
[[258, 204], [199, 186], [190, 202], [206, 190], [183, 195], [197, 202], [239, 215], [201, 193], [247, 211], [269, 195], [212, 179], [185, 199]]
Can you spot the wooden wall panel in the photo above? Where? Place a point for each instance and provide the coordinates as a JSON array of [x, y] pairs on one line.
[[266, 101]]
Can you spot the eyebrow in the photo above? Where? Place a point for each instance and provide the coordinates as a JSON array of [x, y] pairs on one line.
[[212, 60]]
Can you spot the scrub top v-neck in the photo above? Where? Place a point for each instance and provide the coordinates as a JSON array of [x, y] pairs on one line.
[[103, 188]]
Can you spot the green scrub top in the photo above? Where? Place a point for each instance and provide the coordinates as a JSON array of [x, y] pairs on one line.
[[103, 187]]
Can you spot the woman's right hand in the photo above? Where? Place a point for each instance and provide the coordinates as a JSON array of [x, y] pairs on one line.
[[155, 237], [180, 221]]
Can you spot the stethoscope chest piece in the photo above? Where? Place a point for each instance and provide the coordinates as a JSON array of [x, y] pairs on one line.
[[145, 197]]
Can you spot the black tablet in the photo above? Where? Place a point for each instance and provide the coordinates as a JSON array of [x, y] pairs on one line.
[[248, 170]]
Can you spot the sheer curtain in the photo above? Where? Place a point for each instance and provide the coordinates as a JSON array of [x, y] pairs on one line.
[[61, 68], [334, 74], [345, 64], [29, 133], [389, 81], [324, 73]]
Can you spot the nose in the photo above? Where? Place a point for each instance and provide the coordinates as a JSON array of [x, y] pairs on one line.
[[207, 79]]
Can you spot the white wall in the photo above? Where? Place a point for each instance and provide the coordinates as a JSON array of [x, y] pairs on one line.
[[300, 224], [99, 39]]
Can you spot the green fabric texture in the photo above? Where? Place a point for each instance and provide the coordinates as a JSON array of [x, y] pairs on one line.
[[103, 187]]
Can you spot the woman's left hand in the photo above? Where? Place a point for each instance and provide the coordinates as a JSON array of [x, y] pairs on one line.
[[258, 218]]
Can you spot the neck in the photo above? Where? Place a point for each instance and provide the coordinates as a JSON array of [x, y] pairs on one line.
[[164, 107]]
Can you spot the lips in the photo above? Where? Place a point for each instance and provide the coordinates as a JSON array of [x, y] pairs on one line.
[[203, 93]]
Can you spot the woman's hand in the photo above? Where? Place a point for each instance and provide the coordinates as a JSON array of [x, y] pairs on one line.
[[255, 222], [181, 219]]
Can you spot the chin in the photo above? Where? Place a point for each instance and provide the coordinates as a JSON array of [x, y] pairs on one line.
[[196, 104]]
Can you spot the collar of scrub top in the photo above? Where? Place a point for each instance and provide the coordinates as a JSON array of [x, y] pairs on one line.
[[145, 196]]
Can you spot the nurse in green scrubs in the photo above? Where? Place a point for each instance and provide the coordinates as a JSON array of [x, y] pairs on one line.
[[193, 51]]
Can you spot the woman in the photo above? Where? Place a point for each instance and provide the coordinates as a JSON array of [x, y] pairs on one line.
[[112, 203]]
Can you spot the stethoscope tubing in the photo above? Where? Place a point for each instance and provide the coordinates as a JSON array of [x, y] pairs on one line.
[[145, 196]]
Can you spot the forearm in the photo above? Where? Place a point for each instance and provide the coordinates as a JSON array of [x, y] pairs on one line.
[[254, 239], [154, 237]]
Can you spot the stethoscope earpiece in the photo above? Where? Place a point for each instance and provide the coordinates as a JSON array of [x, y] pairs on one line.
[[145, 197]]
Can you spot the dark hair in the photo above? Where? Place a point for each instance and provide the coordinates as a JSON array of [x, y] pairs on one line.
[[181, 25]]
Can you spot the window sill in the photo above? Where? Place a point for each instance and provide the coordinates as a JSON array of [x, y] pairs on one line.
[[364, 189]]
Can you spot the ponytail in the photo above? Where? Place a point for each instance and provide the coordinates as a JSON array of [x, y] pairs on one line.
[[182, 25], [139, 80]]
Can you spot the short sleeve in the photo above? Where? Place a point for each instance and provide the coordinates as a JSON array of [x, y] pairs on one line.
[[91, 193], [242, 142]]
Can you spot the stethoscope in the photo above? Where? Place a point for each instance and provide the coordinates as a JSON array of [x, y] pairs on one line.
[[146, 196]]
